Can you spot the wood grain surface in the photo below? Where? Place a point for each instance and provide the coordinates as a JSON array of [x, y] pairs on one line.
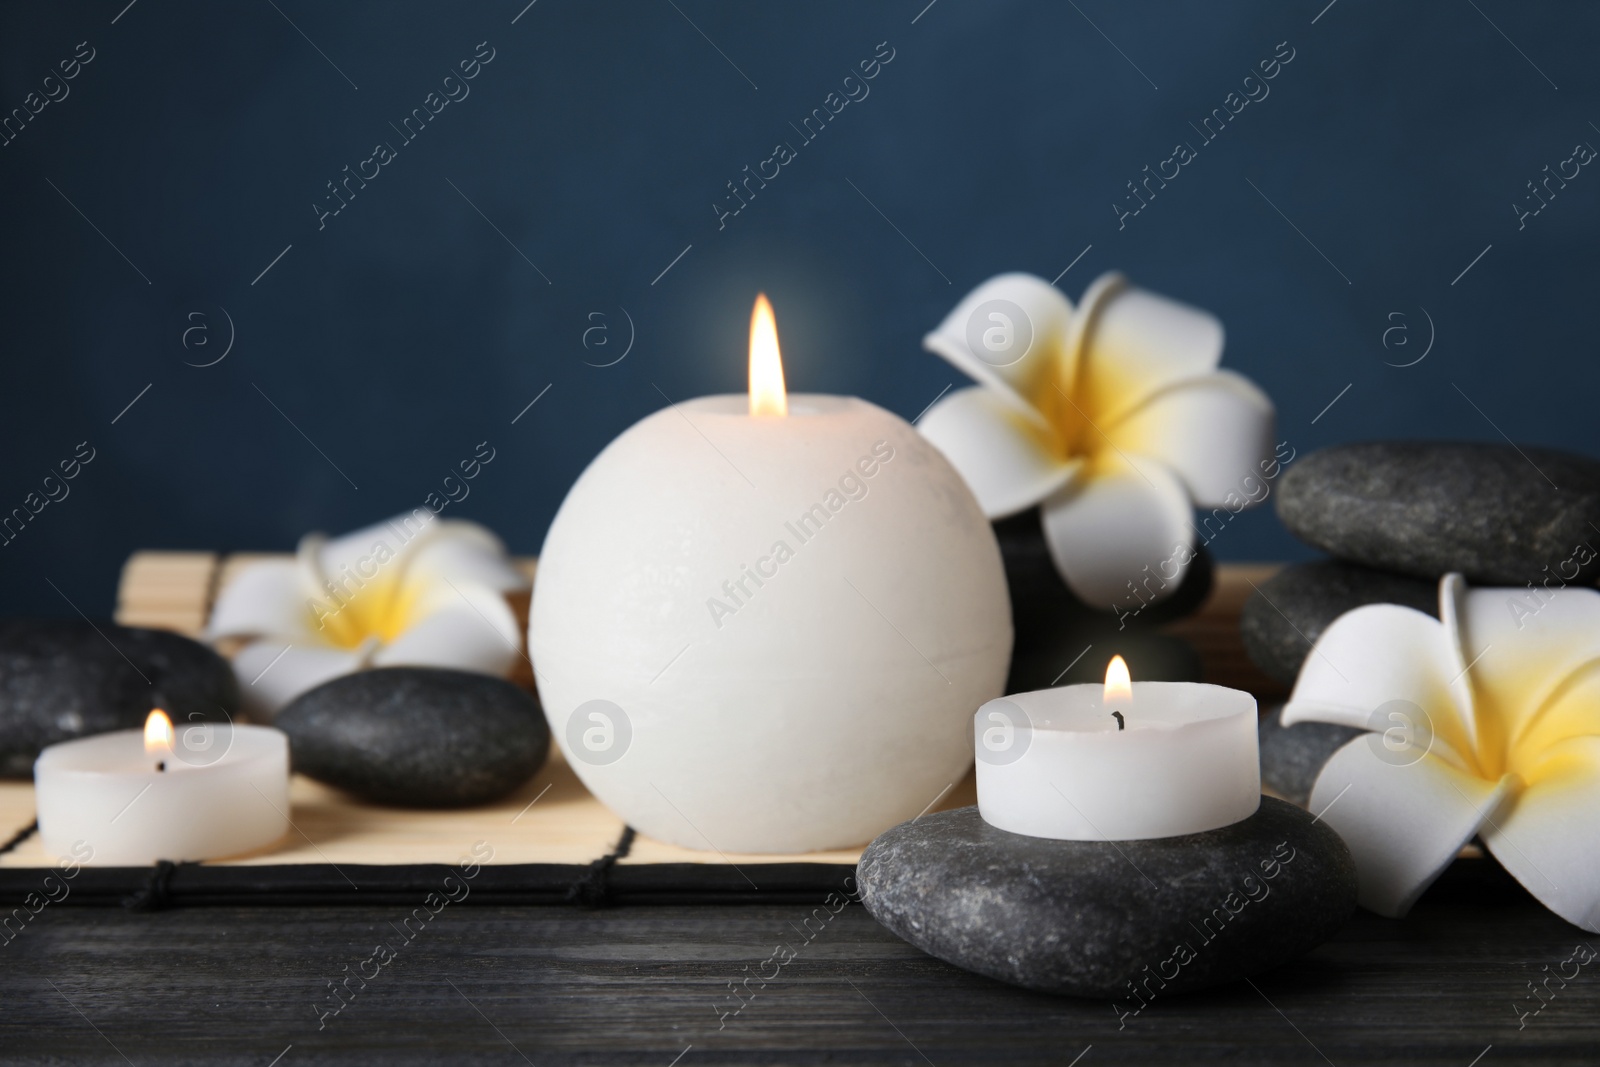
[[647, 985]]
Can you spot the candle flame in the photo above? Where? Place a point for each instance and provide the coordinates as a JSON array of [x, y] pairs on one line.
[[1119, 686], [767, 394], [158, 732]]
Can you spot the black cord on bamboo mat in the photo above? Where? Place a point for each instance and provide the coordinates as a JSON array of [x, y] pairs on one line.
[[593, 889], [154, 896], [20, 836]]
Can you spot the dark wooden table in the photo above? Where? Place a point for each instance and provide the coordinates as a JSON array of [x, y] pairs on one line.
[[495, 983]]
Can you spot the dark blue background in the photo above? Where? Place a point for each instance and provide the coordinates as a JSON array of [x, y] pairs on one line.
[[597, 140]]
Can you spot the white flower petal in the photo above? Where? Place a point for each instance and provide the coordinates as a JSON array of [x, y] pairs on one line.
[[1373, 655], [1008, 462], [271, 672], [1136, 343], [1215, 431], [1404, 823], [458, 625], [1022, 358], [1522, 646], [1452, 609], [1087, 315], [357, 552], [1549, 839], [1120, 516], [268, 597], [465, 552]]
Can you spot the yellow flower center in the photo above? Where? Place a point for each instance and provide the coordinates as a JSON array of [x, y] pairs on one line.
[[1551, 735], [351, 612], [1085, 405]]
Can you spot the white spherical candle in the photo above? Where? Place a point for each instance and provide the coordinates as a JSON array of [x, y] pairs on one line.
[[122, 800], [1081, 763], [767, 632]]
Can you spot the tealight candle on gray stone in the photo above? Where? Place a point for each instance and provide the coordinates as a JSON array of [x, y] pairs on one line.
[[1118, 762], [1121, 848]]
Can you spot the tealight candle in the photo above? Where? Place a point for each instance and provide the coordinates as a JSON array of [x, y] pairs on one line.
[[1121, 762], [135, 799], [762, 622]]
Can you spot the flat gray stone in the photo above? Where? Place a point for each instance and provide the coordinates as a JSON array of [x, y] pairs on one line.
[[1289, 611], [417, 736], [62, 679], [1490, 511], [1293, 756], [1130, 920]]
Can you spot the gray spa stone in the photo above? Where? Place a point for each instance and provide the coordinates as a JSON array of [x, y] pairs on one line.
[[1130, 920], [1492, 511], [1293, 756], [1289, 611], [417, 736], [63, 678]]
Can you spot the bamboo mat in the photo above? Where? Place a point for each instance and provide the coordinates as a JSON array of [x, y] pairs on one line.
[[551, 820]]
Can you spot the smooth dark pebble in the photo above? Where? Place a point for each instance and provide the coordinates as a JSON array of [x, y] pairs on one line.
[[1129, 920], [417, 736], [1498, 513], [1288, 612], [62, 679]]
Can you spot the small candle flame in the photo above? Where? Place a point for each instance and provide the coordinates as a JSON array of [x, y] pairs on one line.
[[158, 733], [767, 394], [1119, 686]]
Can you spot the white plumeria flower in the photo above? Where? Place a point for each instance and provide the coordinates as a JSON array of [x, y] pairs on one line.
[[1488, 723], [1114, 416], [413, 591]]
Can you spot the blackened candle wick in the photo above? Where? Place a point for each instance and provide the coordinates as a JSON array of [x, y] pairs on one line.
[[162, 765], [1118, 716]]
